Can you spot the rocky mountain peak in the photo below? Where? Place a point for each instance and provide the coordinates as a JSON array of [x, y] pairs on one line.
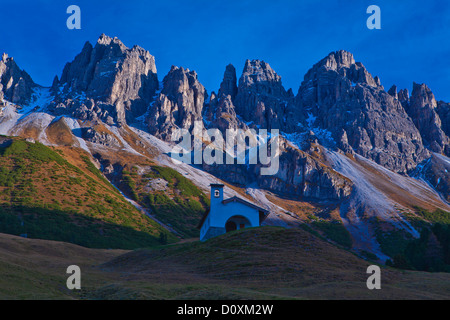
[[105, 40], [338, 59], [403, 96], [393, 92], [180, 80], [259, 76], [228, 87], [121, 81], [342, 63], [444, 113], [179, 104], [15, 84], [261, 98], [423, 96], [422, 109], [220, 111], [341, 97]]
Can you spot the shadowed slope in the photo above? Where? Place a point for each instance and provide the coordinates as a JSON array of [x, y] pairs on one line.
[[264, 263]]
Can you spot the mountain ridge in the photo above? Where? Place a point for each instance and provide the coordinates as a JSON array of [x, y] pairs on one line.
[[115, 109]]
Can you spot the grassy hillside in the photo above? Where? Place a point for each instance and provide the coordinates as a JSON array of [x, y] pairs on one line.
[[58, 194], [168, 195], [262, 263], [430, 252], [36, 269]]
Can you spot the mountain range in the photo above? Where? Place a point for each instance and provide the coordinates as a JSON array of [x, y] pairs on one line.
[[365, 167]]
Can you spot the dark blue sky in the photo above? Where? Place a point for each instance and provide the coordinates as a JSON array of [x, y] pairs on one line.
[[206, 35]]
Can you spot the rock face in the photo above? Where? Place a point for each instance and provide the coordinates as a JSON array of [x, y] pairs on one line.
[[393, 92], [306, 176], [422, 108], [156, 185], [98, 137], [120, 81], [300, 176], [15, 84], [261, 99], [436, 171], [220, 112], [228, 87], [340, 96], [403, 97], [179, 104], [443, 111]]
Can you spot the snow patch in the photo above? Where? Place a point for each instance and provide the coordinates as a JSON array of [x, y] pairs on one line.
[[40, 99], [311, 120], [74, 126]]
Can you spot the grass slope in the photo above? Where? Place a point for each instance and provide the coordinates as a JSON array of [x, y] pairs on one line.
[[180, 204], [36, 269], [43, 195], [431, 252], [261, 263]]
